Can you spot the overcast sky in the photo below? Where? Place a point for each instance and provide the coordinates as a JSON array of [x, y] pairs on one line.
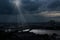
[[29, 10]]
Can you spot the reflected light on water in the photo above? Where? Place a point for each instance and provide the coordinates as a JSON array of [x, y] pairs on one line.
[[45, 31]]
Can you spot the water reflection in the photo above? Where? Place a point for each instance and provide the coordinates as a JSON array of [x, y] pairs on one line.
[[45, 31]]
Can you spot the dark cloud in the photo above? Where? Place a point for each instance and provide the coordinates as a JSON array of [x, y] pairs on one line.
[[38, 7], [8, 18], [28, 7], [41, 5], [54, 5], [6, 7]]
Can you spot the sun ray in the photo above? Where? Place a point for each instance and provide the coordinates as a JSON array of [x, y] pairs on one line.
[[17, 4]]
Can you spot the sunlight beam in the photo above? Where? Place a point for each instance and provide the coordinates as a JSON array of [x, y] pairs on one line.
[[17, 4]]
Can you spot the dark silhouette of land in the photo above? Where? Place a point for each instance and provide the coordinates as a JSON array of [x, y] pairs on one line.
[[9, 31], [26, 36]]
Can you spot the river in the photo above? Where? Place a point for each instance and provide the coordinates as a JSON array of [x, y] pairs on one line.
[[45, 31]]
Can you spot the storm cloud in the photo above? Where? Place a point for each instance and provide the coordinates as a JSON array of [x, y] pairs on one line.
[[41, 5], [32, 10]]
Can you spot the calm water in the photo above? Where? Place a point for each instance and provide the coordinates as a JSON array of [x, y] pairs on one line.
[[45, 31]]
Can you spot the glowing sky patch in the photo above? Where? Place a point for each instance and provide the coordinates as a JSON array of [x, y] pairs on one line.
[[32, 0], [17, 2], [50, 13]]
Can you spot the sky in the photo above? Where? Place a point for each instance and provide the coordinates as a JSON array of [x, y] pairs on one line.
[[24, 11]]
